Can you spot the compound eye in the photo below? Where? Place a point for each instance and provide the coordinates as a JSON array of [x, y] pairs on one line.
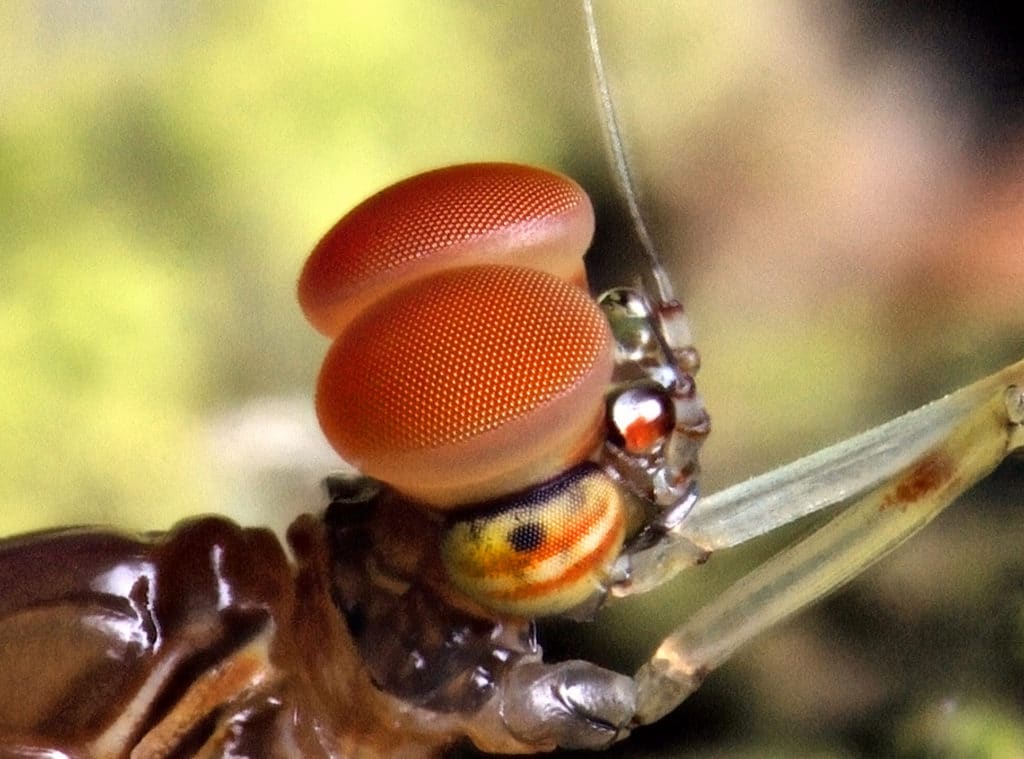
[[641, 418], [490, 213], [469, 384], [542, 552]]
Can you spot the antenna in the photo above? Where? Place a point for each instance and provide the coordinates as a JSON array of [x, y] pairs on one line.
[[623, 176]]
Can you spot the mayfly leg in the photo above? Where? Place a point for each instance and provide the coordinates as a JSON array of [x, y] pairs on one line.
[[973, 442]]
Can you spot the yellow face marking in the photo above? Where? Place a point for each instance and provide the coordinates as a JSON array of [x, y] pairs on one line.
[[542, 551]]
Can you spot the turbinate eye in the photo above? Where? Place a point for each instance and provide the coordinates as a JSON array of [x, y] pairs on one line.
[[469, 384], [490, 213], [541, 552]]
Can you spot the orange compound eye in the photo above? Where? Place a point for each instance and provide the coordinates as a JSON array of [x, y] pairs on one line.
[[469, 384], [543, 551], [486, 213]]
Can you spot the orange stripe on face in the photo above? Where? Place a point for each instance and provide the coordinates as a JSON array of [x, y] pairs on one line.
[[543, 551], [589, 568], [547, 531]]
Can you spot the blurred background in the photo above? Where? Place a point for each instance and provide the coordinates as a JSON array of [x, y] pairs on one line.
[[838, 189]]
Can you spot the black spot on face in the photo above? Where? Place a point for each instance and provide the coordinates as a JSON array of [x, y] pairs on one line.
[[526, 537]]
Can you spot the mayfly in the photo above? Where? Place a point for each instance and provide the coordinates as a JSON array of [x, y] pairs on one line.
[[525, 452]]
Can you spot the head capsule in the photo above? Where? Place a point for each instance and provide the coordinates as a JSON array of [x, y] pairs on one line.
[[468, 364]]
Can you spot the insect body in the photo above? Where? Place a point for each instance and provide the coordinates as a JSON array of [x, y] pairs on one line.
[[528, 453], [481, 391], [405, 623]]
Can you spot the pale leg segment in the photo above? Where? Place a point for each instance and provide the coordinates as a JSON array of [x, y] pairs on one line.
[[981, 438]]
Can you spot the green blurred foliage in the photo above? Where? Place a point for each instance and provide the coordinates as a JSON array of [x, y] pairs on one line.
[[164, 168], [974, 730]]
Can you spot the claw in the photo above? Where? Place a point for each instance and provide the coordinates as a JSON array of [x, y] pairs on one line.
[[572, 704]]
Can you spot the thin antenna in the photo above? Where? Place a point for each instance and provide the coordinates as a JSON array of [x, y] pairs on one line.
[[618, 154]]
